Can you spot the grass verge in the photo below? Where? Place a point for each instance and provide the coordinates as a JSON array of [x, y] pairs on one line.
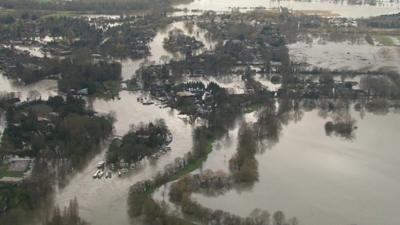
[[194, 165]]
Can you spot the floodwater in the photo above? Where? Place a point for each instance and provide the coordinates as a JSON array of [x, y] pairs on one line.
[[321, 7], [97, 198], [42, 89], [265, 80], [158, 54], [321, 179], [33, 50], [345, 55], [104, 202], [3, 123], [234, 84]]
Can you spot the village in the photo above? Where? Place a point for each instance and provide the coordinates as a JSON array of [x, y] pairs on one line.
[[184, 102]]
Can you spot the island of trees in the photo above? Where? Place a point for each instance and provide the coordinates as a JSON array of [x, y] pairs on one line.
[[143, 140], [177, 41]]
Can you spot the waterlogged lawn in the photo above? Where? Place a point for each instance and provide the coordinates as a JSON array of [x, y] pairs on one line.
[[384, 40]]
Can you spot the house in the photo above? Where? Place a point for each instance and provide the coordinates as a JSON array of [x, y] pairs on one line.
[[275, 66], [18, 168], [84, 91], [185, 95]]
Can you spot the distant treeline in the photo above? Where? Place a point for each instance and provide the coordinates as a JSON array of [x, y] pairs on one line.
[[89, 5], [385, 21]]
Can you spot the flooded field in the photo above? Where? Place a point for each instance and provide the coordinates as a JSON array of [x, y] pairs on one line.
[[320, 7], [345, 55], [318, 178]]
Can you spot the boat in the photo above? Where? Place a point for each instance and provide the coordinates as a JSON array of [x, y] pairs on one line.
[[124, 170], [148, 102], [184, 117], [101, 164], [96, 174], [169, 138], [165, 149], [155, 156], [100, 174]]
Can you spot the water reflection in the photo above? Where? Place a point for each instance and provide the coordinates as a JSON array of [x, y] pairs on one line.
[[320, 179]]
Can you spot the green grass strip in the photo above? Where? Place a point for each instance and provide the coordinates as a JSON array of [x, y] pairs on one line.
[[385, 40]]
